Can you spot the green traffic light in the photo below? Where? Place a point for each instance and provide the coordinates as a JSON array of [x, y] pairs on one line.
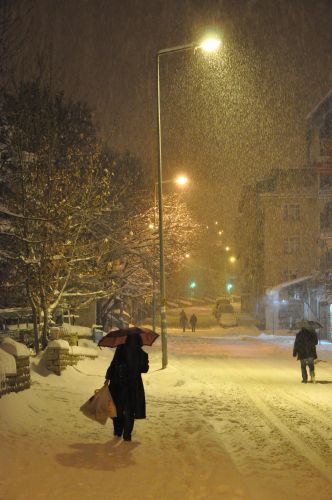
[[229, 287], [192, 284]]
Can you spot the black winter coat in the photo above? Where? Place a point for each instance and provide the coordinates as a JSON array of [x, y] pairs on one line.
[[126, 385], [305, 344]]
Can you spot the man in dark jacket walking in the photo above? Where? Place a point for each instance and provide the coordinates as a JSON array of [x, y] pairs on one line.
[[305, 350], [183, 320], [193, 322], [126, 385]]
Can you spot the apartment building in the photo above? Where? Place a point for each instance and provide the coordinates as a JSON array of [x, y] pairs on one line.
[[279, 240], [290, 222], [319, 140], [285, 238]]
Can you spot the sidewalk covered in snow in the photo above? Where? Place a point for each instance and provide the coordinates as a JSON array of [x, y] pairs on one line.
[[227, 419]]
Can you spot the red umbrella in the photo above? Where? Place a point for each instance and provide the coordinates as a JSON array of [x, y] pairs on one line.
[[118, 337]]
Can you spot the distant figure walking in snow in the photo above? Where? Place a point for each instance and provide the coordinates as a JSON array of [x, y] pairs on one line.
[[193, 321], [126, 385], [305, 350], [183, 320]]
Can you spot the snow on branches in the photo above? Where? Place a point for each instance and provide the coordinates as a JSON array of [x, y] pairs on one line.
[[77, 222]]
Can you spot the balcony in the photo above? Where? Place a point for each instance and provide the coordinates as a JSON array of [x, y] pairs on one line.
[[325, 234]]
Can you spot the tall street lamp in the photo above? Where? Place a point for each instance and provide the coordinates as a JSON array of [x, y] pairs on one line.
[[180, 180], [208, 45]]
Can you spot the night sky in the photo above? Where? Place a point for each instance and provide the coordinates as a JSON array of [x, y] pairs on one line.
[[227, 119]]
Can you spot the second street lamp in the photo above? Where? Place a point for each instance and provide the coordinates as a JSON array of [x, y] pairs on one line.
[[207, 45], [180, 180]]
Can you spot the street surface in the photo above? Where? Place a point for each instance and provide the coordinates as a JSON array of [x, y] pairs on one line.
[[228, 419]]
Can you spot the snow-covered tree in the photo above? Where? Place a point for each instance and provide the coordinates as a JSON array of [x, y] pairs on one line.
[[75, 218], [135, 252], [54, 187]]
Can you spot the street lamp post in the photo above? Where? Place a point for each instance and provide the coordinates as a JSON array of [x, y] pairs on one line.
[[180, 180], [153, 263], [208, 45]]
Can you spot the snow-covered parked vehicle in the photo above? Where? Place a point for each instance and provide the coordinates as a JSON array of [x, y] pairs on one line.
[[227, 320], [224, 313]]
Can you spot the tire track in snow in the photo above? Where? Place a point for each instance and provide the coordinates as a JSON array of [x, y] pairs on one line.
[[268, 411], [299, 416], [313, 418], [318, 415], [232, 416], [289, 452], [313, 458], [198, 475]]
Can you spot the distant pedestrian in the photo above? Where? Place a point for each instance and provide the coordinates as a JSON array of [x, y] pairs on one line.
[[305, 350], [193, 322], [183, 320]]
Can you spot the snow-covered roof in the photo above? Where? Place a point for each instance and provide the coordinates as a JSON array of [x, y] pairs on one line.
[[286, 284], [15, 312], [7, 364], [319, 111], [15, 348]]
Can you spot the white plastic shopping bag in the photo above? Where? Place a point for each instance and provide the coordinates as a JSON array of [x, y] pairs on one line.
[[100, 406]]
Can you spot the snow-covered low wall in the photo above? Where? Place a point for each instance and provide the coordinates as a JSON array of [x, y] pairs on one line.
[[14, 366], [62, 333], [59, 354]]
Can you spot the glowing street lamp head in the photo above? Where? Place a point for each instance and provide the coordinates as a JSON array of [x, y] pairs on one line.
[[181, 180], [210, 44], [232, 259], [227, 249]]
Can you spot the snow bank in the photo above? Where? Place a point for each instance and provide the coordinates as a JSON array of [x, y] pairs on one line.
[[87, 343], [15, 348], [80, 330], [84, 351], [7, 364]]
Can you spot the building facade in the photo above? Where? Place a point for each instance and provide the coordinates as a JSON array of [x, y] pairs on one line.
[[290, 222], [319, 139], [285, 239], [278, 242]]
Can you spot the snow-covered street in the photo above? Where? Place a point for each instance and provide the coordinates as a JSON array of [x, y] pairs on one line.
[[228, 419]]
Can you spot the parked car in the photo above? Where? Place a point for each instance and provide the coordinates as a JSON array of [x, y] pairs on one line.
[[224, 312], [222, 305], [227, 319]]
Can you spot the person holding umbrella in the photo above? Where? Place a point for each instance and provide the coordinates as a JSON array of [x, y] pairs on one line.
[[305, 349], [124, 376]]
